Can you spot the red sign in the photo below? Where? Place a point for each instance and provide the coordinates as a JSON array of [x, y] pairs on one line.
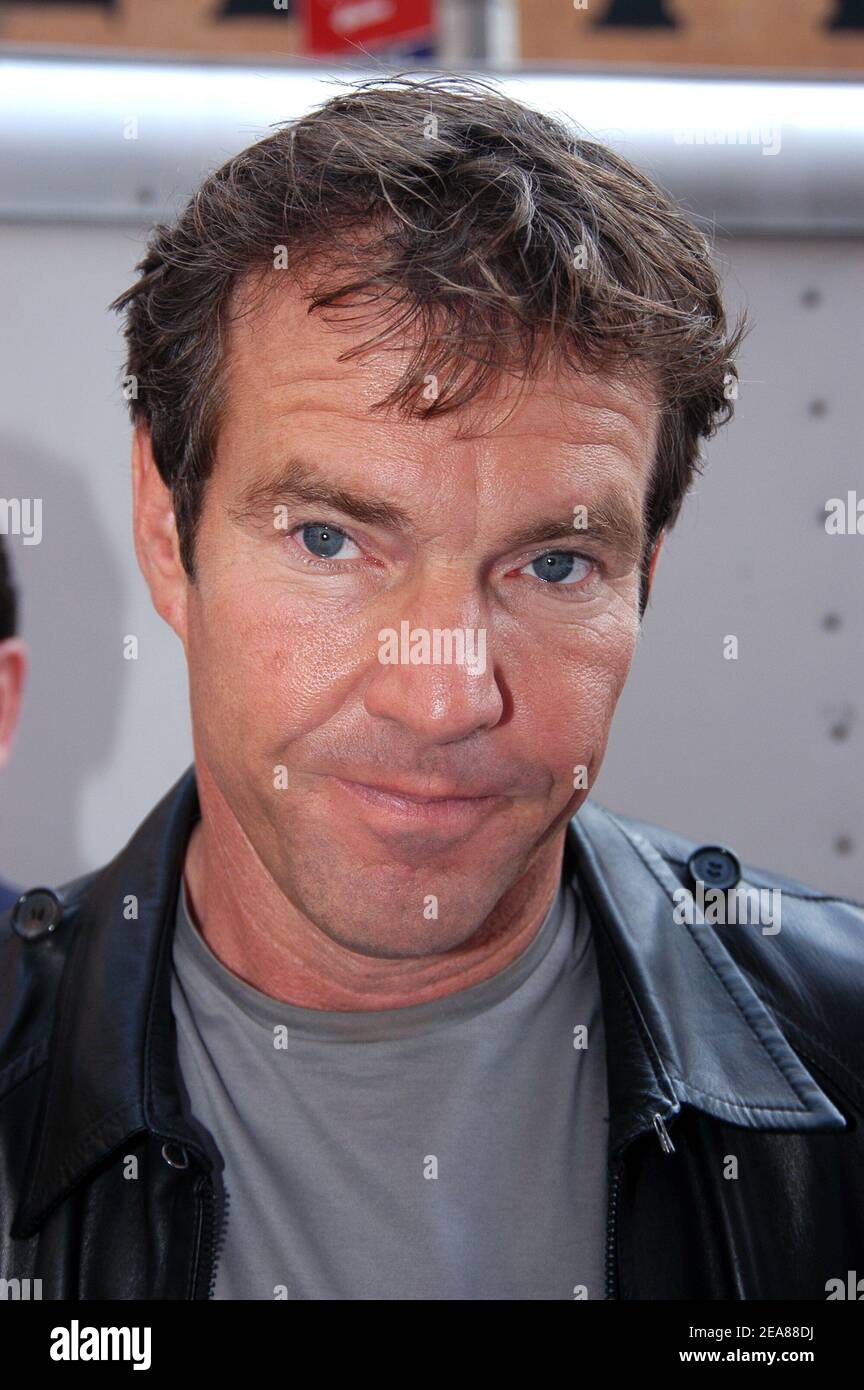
[[332, 26]]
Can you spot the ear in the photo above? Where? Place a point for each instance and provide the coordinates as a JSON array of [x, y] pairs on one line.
[[13, 673], [157, 544], [658, 546]]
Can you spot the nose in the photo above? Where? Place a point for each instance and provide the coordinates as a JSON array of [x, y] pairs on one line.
[[435, 677]]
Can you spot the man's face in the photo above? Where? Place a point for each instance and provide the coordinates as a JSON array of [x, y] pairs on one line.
[[326, 528]]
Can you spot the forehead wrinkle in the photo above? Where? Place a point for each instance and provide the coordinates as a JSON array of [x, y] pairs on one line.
[[633, 434], [624, 430], [604, 395], [623, 407], [621, 392], [613, 406]]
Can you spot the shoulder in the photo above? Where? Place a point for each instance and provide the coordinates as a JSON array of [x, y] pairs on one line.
[[689, 857], [33, 957], [801, 947], [8, 896]]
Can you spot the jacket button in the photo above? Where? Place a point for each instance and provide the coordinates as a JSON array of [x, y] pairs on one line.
[[36, 913], [175, 1155], [714, 866]]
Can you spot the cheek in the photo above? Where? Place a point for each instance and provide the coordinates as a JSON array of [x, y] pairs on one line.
[[271, 674], [565, 702]]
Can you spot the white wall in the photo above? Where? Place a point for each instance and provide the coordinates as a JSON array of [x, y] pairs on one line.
[[766, 752], [740, 752], [100, 737]]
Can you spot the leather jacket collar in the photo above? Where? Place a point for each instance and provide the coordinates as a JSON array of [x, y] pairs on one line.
[[683, 1025]]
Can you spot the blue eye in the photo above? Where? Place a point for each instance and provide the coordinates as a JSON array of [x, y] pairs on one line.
[[323, 541], [556, 566]]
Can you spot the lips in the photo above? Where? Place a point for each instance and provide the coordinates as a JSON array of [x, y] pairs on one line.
[[392, 809], [425, 795]]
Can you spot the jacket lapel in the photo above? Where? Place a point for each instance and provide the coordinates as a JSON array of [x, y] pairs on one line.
[[112, 1060], [683, 1024]]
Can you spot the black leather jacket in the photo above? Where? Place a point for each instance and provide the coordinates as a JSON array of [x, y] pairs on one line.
[[724, 1043]]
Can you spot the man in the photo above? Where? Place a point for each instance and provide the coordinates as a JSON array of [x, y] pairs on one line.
[[13, 672], [365, 1009]]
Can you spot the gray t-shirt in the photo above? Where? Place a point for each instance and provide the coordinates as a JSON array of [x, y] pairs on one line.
[[454, 1149]]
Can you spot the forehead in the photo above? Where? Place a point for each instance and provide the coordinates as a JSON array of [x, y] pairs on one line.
[[284, 373]]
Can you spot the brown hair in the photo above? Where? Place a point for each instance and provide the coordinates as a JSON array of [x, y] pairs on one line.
[[494, 236], [8, 596]]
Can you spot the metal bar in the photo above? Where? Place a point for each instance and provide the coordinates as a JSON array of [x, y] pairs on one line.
[[128, 141]]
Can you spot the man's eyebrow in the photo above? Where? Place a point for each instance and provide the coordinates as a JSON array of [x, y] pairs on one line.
[[611, 522], [299, 482]]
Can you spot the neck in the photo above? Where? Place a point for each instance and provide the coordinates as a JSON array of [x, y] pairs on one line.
[[280, 952]]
